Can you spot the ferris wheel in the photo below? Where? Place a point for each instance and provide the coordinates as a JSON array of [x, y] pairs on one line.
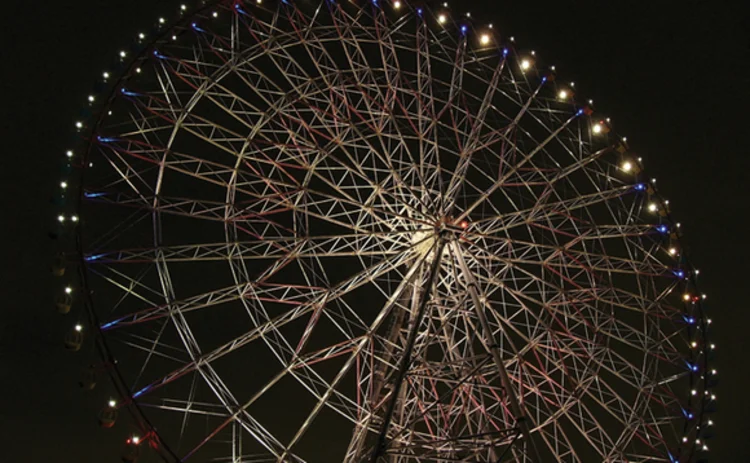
[[371, 231]]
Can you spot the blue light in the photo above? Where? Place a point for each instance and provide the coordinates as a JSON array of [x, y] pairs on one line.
[[108, 325], [141, 392], [93, 195], [544, 79], [464, 29], [662, 228], [640, 186], [580, 111], [94, 257], [505, 52], [158, 55], [679, 274], [104, 139], [420, 11], [127, 93], [691, 416], [195, 26]]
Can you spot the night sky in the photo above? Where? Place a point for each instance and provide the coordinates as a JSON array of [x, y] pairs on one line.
[[674, 79]]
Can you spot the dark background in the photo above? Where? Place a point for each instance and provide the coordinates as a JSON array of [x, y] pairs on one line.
[[674, 77]]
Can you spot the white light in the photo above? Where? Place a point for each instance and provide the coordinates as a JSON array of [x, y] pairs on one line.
[[68, 290], [713, 346], [684, 439], [525, 64], [693, 392], [442, 19], [174, 37], [572, 84], [710, 422], [112, 404], [694, 344], [61, 218], [105, 75], [136, 439], [122, 54], [512, 39], [597, 128], [161, 21], [552, 68], [397, 4], [533, 53], [91, 98], [627, 166], [490, 26], [183, 7], [63, 185], [713, 397], [445, 4], [138, 70], [673, 251], [468, 15], [709, 321], [141, 36], [259, 2], [485, 40], [216, 15], [79, 124], [652, 207], [705, 447], [69, 154], [563, 94], [79, 328], [74, 218], [713, 372]]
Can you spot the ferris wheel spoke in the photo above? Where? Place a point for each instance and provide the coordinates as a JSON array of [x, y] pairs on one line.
[[541, 146], [320, 246], [299, 309], [562, 208]]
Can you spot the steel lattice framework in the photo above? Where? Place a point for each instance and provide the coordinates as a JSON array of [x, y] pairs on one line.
[[334, 231]]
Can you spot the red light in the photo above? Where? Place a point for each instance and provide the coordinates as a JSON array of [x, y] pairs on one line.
[[464, 224]]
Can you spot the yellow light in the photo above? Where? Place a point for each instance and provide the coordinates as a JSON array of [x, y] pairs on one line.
[[686, 297], [673, 251], [442, 19], [397, 4], [694, 344], [627, 166], [525, 64], [485, 39], [563, 95], [652, 207], [597, 128]]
